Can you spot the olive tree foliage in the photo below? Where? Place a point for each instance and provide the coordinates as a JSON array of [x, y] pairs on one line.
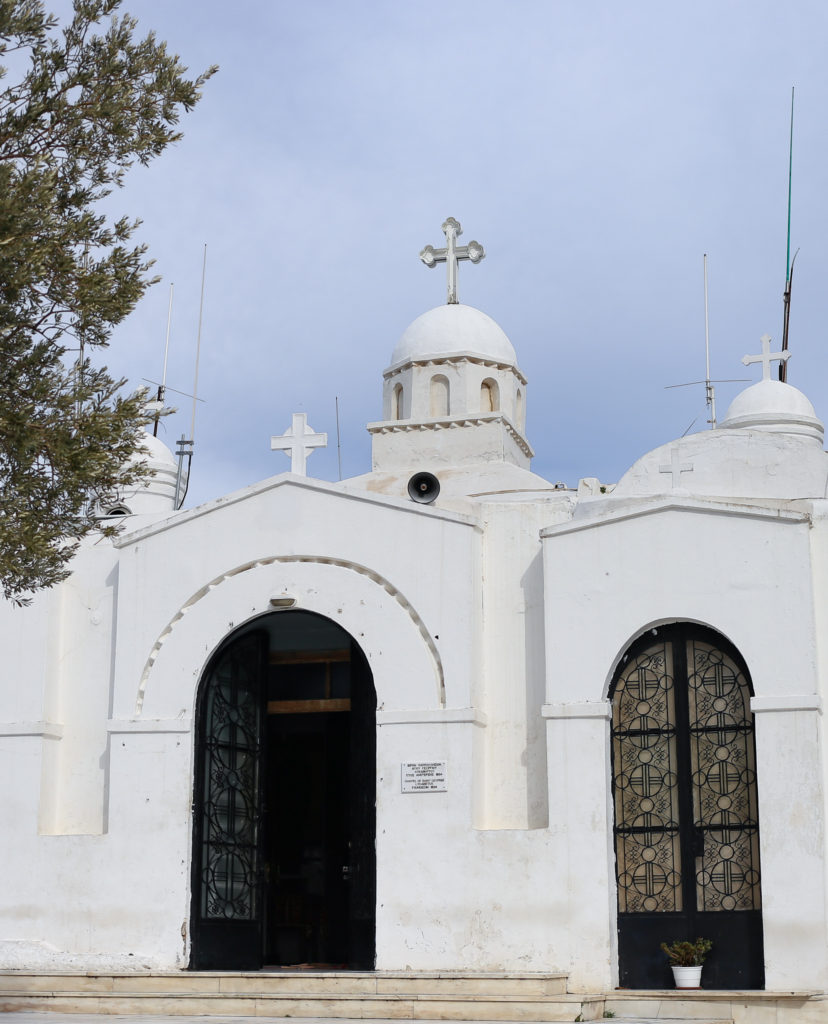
[[88, 101]]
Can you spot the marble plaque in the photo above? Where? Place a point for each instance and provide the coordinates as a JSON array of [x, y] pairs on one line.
[[424, 777]]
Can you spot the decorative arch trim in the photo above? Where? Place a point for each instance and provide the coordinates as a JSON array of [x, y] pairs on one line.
[[340, 563], [673, 620]]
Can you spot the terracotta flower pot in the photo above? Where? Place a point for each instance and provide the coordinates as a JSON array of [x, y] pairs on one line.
[[687, 977]]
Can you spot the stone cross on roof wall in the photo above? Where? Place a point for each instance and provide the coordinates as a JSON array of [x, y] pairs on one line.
[[451, 254], [767, 357], [676, 468], [299, 442]]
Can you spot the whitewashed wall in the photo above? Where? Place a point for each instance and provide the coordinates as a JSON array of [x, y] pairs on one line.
[[746, 572]]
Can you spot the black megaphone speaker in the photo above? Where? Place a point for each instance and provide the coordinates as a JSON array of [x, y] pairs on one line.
[[423, 488]]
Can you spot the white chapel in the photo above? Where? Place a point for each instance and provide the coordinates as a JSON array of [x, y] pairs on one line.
[[444, 718]]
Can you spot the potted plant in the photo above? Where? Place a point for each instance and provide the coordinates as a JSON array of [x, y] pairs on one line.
[[686, 959]]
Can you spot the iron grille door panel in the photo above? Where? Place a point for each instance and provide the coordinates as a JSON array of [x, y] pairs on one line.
[[646, 806], [723, 766], [686, 817], [227, 810]]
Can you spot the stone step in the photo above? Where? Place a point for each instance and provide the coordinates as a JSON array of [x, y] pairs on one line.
[[388, 996], [397, 983], [711, 1005], [376, 995], [672, 1020]]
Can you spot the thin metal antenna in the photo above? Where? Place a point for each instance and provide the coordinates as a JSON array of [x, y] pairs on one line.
[[185, 447], [162, 387], [710, 391], [786, 297], [338, 444], [186, 394], [198, 344]]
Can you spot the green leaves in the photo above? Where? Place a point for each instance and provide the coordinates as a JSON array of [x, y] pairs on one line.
[[687, 954], [92, 102]]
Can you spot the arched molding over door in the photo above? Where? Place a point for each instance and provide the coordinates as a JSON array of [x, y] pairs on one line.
[[652, 629], [686, 819], [362, 601]]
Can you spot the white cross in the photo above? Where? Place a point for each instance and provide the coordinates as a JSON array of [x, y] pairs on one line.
[[451, 254], [676, 468], [298, 442], [767, 357]]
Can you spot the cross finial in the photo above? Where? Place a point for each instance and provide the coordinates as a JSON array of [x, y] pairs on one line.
[[451, 254], [676, 468], [767, 357], [299, 442]]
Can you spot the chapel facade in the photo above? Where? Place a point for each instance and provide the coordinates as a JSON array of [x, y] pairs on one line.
[[446, 715]]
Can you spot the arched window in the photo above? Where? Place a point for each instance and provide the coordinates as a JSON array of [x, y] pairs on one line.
[[114, 512], [521, 414], [397, 402], [686, 810], [439, 395], [489, 396]]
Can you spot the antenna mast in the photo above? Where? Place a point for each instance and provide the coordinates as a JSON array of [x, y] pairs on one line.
[[185, 447], [786, 297], [162, 387], [198, 344], [709, 390], [338, 443]]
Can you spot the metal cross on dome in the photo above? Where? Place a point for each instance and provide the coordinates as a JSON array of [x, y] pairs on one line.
[[451, 254], [767, 357]]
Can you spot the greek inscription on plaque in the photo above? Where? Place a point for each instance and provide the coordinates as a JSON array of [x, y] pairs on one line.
[[424, 777]]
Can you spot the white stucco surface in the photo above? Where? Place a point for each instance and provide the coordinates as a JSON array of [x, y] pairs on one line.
[[452, 330], [492, 620]]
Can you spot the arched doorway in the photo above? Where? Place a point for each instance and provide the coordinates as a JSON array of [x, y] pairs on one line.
[[284, 819], [686, 814]]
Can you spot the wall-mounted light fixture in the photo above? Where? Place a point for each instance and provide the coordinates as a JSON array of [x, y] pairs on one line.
[[282, 602]]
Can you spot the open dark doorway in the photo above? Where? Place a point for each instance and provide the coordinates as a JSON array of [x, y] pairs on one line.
[[284, 865]]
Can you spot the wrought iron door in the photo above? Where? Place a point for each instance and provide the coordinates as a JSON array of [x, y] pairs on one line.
[[227, 904], [363, 815], [686, 816]]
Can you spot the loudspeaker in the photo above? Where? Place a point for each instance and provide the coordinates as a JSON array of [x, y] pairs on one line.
[[423, 488]]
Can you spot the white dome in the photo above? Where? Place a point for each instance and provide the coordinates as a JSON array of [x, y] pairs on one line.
[[155, 452], [157, 493], [454, 329], [773, 406]]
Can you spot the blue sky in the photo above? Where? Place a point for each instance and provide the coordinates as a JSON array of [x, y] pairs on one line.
[[596, 150]]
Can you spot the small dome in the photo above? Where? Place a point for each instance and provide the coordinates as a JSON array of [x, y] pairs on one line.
[[157, 493], [454, 329], [773, 406], [155, 452]]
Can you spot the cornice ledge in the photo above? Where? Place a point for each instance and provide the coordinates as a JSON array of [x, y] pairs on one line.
[[578, 709], [116, 726], [456, 357], [452, 423], [608, 513], [432, 716], [786, 702], [48, 730]]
